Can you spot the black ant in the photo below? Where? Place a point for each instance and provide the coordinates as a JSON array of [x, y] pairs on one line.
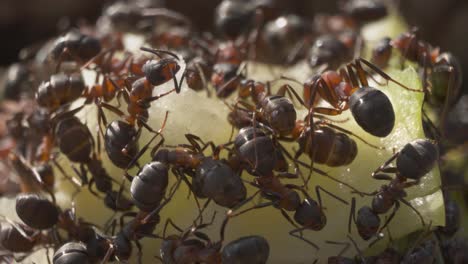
[[349, 89], [364, 11], [413, 161], [76, 142], [211, 177], [332, 51], [284, 39], [309, 214], [75, 46], [71, 252]]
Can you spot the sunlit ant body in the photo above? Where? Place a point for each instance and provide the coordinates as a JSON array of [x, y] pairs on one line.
[[212, 178], [349, 89]]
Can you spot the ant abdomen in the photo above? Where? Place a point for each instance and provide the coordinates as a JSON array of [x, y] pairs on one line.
[[373, 111], [309, 214], [36, 212], [367, 222], [249, 249], [417, 158], [280, 114], [71, 252], [256, 149], [120, 143], [216, 180], [329, 147], [149, 186], [74, 139]]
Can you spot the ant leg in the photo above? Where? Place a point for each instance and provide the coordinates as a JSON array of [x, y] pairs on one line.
[[170, 222], [156, 147], [142, 102], [257, 206], [146, 146], [354, 135], [287, 88], [434, 131], [352, 214], [345, 244], [318, 188], [71, 179], [140, 251], [385, 165], [200, 216], [158, 51], [225, 86], [381, 73], [193, 140], [383, 177], [390, 217], [301, 237], [414, 209], [203, 79], [161, 206], [245, 201], [296, 51], [448, 99], [350, 75], [90, 188], [111, 108], [109, 253]]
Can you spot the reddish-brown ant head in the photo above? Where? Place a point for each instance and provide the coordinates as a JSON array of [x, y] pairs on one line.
[[244, 88], [331, 78], [344, 90]]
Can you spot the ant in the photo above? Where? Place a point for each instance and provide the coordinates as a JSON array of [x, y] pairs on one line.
[[139, 97], [233, 18], [339, 259], [284, 39], [440, 71], [309, 214], [332, 51], [364, 11], [144, 221], [413, 161], [211, 177], [39, 213], [349, 89], [76, 46], [277, 111], [19, 79], [30, 180], [183, 249], [76, 142]]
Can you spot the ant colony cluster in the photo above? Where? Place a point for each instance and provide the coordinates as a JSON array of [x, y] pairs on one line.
[[315, 168]]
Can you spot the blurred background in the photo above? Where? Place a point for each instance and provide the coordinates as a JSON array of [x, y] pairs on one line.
[[441, 22]]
